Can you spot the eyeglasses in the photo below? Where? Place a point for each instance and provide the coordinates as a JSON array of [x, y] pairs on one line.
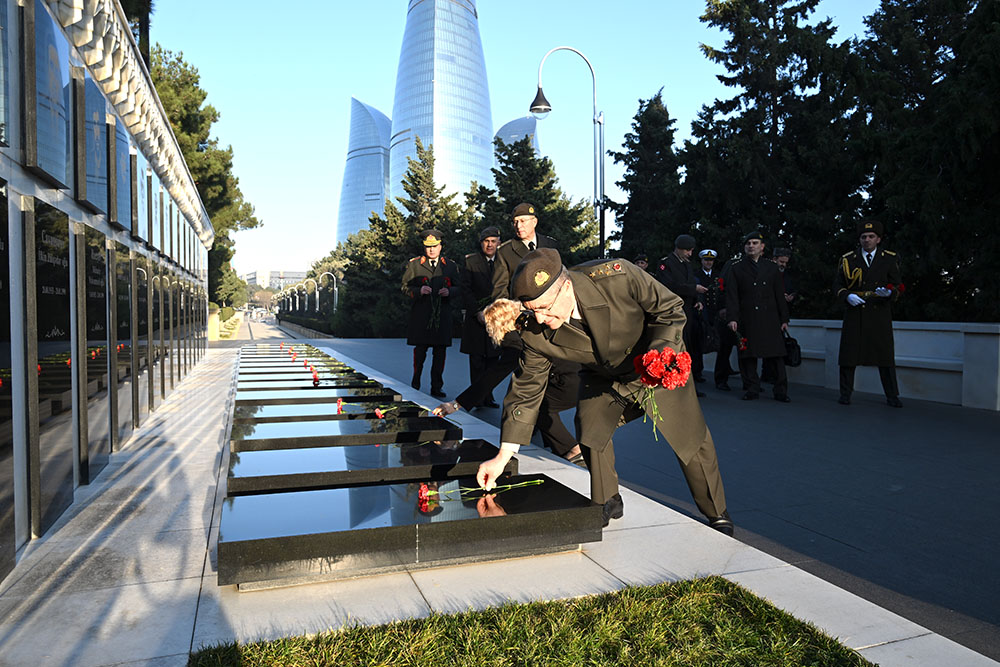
[[545, 309]]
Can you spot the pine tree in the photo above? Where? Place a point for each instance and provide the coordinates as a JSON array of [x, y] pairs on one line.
[[653, 215]]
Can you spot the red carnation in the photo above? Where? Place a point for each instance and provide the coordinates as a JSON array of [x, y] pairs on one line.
[[447, 281], [664, 368], [378, 413], [722, 285]]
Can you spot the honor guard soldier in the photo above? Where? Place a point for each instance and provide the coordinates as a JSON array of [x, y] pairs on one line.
[[602, 315], [477, 293], [868, 282], [432, 283]]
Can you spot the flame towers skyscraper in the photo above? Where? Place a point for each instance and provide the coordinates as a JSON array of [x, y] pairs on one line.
[[442, 96]]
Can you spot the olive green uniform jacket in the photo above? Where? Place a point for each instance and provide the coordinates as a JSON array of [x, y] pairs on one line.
[[627, 312], [509, 255]]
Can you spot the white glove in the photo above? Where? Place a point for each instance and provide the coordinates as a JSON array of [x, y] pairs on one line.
[[854, 300], [883, 291]]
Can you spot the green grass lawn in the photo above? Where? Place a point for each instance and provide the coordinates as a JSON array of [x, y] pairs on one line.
[[710, 622]]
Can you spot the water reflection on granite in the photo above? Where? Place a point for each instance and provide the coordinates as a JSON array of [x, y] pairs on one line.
[[303, 375], [321, 411], [307, 384], [318, 395], [406, 428]]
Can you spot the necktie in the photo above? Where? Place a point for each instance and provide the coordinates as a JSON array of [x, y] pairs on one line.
[[434, 264], [490, 262], [868, 258], [531, 246]]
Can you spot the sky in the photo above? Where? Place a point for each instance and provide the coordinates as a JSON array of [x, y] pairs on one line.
[[282, 77]]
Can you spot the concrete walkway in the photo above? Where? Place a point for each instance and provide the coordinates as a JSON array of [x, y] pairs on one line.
[[127, 576]]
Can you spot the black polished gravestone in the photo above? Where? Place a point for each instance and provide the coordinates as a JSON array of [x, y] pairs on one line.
[[276, 471], [291, 376], [298, 412], [389, 429], [317, 395], [359, 382], [289, 538], [261, 368]]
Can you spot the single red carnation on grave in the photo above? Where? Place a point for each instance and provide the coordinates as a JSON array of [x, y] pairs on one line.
[[315, 382], [379, 414], [423, 494], [340, 406]]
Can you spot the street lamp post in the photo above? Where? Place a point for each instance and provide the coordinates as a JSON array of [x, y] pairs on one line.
[[327, 273], [307, 293], [540, 108]]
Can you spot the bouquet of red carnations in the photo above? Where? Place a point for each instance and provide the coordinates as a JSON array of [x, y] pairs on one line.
[[664, 368]]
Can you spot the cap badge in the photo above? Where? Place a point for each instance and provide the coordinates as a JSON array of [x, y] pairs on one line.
[[541, 277]]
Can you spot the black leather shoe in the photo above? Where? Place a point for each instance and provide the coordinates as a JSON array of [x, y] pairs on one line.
[[490, 404], [437, 393], [783, 399], [844, 400], [893, 401], [723, 524], [750, 396], [722, 386], [614, 508]]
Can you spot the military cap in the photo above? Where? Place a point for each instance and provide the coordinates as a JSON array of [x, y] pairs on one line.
[[488, 232], [869, 225], [431, 237], [708, 253], [684, 242], [536, 273], [524, 208], [641, 257], [755, 234]]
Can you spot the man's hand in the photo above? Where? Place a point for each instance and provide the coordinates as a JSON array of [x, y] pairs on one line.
[[784, 326], [883, 291], [490, 470], [854, 300], [443, 291], [487, 506], [789, 298], [733, 326], [698, 306], [425, 290], [700, 289], [446, 409]]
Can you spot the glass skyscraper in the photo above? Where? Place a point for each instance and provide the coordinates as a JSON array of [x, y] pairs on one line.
[[366, 174], [442, 96], [519, 128]]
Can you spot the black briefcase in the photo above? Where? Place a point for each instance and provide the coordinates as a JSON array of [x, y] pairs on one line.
[[793, 353]]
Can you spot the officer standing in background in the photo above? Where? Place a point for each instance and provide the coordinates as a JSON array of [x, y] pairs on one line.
[[676, 272], [477, 293], [757, 311], [642, 261], [431, 282], [512, 251], [713, 302], [868, 281]]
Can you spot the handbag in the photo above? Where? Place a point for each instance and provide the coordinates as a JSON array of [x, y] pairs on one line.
[[793, 353]]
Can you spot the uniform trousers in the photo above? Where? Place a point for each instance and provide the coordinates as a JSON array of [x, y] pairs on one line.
[[751, 381], [886, 373], [437, 365], [478, 365]]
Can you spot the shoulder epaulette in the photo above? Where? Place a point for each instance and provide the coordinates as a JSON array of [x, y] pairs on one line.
[[413, 259], [847, 254], [471, 254], [889, 252], [607, 268]]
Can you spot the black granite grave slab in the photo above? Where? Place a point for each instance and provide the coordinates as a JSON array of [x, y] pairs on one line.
[[300, 536], [316, 395], [296, 412], [330, 383], [277, 471], [342, 432], [321, 366], [305, 375]]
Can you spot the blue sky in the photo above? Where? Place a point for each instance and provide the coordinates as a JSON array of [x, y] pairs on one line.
[[282, 77]]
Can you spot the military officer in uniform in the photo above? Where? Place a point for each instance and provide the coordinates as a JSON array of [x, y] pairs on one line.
[[512, 251], [868, 281], [431, 282], [677, 272], [757, 310], [603, 314], [477, 293]]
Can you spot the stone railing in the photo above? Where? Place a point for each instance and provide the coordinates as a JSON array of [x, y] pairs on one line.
[[949, 362]]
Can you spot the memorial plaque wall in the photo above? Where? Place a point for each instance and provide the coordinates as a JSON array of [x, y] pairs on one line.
[[51, 151], [95, 130], [98, 391], [52, 461], [122, 211], [156, 212], [123, 343], [162, 314], [140, 214], [156, 320], [7, 542], [4, 98], [170, 301], [141, 336]]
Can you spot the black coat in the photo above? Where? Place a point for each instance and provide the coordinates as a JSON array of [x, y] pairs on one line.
[[477, 293], [714, 299], [755, 300], [866, 336], [678, 276], [626, 312], [430, 315], [510, 253]]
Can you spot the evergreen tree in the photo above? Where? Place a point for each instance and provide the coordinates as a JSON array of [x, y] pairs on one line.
[[779, 155], [653, 215], [523, 176], [211, 167]]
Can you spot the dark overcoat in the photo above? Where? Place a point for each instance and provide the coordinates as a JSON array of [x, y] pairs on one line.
[[678, 275], [510, 253], [430, 315], [714, 299], [755, 300], [866, 336], [626, 312], [477, 293]]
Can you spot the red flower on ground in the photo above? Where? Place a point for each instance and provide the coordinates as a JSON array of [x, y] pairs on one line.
[[340, 405], [378, 413]]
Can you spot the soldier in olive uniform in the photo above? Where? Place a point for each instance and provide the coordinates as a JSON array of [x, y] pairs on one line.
[[477, 293], [868, 281], [602, 315], [512, 251], [756, 308], [431, 282]]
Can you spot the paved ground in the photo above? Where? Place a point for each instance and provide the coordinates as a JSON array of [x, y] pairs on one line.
[[898, 506]]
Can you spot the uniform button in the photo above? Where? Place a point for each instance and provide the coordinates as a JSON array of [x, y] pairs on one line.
[[517, 412], [756, 308]]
